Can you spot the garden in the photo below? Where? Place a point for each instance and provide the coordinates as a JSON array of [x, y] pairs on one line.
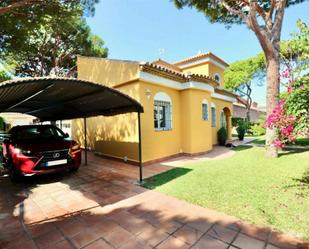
[[265, 191]]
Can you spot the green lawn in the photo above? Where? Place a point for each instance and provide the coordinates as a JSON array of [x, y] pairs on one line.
[[265, 191]]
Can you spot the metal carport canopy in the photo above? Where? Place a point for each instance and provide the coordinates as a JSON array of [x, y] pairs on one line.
[[53, 98]]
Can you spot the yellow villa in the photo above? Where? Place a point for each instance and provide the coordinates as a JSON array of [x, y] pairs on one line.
[[184, 107]]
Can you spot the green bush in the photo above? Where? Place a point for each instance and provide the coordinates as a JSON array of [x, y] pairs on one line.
[[257, 130], [235, 121], [222, 136], [241, 129], [2, 123]]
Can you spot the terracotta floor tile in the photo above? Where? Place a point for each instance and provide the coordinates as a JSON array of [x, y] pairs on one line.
[[40, 229], [188, 234], [99, 244], [118, 238], [200, 224], [210, 243], [72, 227], [62, 245], [49, 238], [153, 237], [222, 233], [135, 243], [84, 238], [21, 242], [269, 246], [244, 241], [174, 243]]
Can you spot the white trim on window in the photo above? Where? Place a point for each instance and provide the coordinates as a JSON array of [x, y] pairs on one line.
[[219, 77], [161, 96], [162, 112], [205, 110]]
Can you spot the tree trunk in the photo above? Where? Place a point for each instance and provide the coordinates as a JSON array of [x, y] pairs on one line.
[[272, 97]]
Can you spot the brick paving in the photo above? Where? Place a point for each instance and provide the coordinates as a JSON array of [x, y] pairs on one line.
[[101, 207]]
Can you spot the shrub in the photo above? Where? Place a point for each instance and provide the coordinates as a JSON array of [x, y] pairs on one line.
[[222, 136], [241, 129], [2, 123], [235, 121], [257, 130]]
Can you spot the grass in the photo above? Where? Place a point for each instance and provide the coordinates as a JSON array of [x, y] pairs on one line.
[[299, 141], [265, 191]]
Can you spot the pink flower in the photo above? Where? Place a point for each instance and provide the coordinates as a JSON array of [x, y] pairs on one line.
[[290, 89], [302, 86], [285, 73], [277, 143]]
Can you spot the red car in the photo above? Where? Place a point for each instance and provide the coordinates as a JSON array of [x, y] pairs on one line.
[[39, 149]]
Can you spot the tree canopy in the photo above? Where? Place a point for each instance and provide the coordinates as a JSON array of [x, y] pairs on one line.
[[7, 6], [49, 41]]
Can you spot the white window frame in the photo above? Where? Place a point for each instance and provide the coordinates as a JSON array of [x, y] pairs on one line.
[[213, 115], [161, 99], [205, 104]]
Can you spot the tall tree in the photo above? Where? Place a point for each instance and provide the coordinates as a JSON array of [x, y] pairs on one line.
[[240, 75], [50, 46], [7, 6], [264, 18]]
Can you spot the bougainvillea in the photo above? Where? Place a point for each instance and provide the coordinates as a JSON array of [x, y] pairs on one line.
[[290, 118], [283, 124]]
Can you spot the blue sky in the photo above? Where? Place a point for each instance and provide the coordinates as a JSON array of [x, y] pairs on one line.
[[140, 29]]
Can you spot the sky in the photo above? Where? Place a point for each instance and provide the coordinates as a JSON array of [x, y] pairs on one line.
[[145, 30]]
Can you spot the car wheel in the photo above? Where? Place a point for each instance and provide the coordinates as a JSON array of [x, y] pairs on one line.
[[13, 173], [74, 169]]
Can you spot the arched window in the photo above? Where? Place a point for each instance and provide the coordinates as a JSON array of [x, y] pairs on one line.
[[213, 115], [217, 77], [162, 112], [223, 119], [205, 110]]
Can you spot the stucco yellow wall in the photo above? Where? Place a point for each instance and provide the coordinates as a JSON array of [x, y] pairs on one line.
[[158, 144], [112, 136], [213, 69], [105, 71], [198, 69], [118, 136], [196, 132], [207, 68], [220, 104]]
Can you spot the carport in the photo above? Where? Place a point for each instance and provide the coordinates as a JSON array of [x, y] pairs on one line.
[[53, 98]]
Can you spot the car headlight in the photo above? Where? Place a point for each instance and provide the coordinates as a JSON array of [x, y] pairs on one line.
[[22, 152]]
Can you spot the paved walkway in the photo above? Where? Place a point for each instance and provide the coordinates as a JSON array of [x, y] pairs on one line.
[[101, 207]]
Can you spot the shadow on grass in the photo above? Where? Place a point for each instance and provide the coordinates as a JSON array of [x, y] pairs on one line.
[[242, 147], [302, 184], [165, 177], [289, 151]]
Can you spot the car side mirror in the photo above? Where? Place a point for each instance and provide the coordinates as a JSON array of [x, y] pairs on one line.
[[66, 135]]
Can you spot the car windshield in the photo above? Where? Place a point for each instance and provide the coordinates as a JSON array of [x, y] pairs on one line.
[[35, 132]]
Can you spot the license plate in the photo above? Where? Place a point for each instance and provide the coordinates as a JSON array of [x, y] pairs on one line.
[[57, 162]]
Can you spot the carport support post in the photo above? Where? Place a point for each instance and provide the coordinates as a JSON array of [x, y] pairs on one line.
[[140, 149], [85, 140]]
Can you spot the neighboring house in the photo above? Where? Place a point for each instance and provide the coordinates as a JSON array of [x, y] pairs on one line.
[[12, 119], [240, 110], [184, 106]]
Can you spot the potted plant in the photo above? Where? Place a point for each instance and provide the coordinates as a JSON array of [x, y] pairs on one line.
[[241, 130], [222, 136]]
